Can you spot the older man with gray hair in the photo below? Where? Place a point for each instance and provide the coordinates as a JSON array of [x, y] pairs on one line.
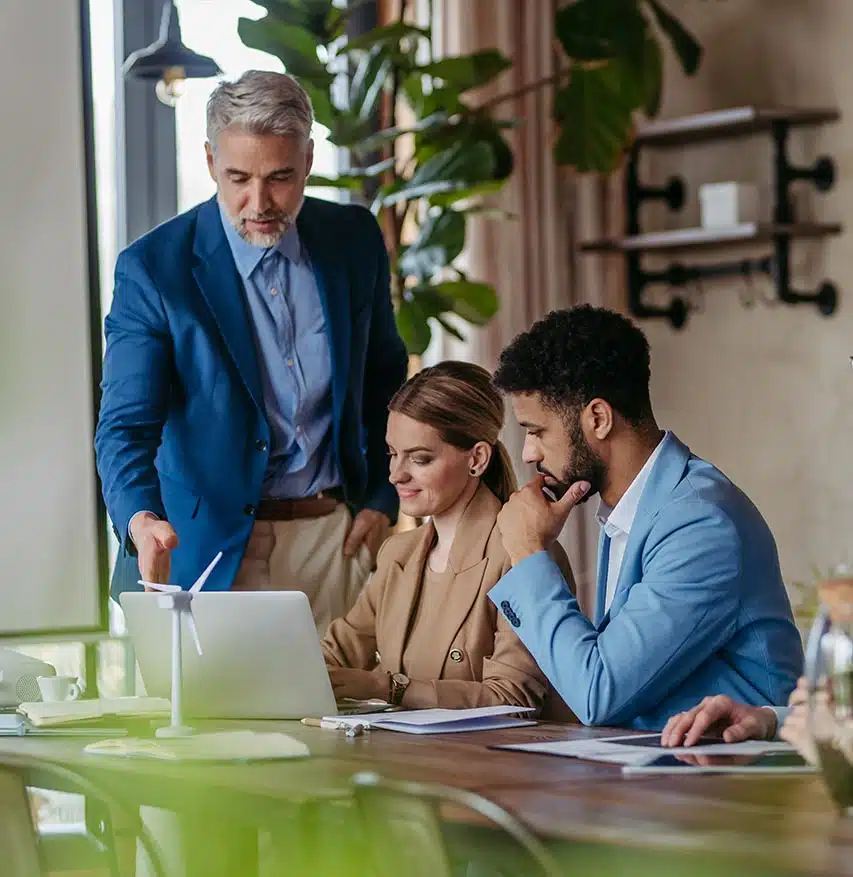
[[251, 355]]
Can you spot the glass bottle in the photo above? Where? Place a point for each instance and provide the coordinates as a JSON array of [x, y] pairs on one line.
[[829, 671]]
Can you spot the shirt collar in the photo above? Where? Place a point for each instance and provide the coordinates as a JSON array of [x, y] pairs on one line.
[[619, 519], [247, 256]]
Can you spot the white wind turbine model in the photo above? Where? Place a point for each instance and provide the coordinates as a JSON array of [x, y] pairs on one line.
[[180, 602]]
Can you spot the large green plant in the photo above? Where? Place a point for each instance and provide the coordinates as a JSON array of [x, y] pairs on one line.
[[426, 159], [615, 68]]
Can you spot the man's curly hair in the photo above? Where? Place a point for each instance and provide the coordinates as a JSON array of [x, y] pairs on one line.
[[574, 356]]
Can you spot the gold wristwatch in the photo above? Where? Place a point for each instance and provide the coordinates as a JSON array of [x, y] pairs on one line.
[[397, 685]]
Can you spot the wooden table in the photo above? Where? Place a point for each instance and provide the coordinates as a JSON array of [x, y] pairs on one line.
[[711, 824]]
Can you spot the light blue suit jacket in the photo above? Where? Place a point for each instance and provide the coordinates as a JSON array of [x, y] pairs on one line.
[[699, 608]]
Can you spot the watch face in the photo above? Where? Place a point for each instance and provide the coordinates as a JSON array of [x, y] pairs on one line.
[[399, 684]]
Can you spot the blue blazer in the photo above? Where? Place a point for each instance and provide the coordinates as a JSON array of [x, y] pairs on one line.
[[699, 608], [182, 430]]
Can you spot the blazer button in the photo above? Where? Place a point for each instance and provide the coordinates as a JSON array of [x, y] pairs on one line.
[[505, 605], [515, 621], [260, 445], [456, 656], [249, 510]]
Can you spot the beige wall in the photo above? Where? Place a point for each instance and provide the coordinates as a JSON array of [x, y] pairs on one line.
[[767, 393]]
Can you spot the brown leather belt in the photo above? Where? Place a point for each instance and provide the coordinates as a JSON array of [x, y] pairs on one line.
[[317, 506]]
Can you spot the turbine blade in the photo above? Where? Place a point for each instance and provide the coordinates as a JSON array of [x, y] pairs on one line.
[[168, 589], [199, 582], [193, 631]]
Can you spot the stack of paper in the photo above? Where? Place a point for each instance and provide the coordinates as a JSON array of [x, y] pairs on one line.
[[15, 725], [441, 721], [63, 712]]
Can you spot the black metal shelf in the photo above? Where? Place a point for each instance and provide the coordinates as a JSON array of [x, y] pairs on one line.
[[701, 128], [709, 238], [734, 122]]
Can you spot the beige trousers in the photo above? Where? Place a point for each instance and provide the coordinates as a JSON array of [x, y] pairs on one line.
[[306, 555]]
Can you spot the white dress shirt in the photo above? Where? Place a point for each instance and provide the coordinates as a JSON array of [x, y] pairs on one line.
[[617, 523]]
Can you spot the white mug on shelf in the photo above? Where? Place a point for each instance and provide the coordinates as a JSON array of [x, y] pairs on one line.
[[58, 688]]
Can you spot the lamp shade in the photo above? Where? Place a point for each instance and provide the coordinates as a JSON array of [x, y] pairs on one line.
[[169, 53]]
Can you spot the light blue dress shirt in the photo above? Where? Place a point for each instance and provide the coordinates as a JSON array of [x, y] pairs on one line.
[[289, 329]]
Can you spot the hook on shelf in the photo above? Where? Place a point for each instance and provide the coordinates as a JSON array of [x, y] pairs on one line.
[[780, 234], [673, 193]]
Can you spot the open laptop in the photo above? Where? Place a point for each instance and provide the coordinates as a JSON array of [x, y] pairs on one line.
[[262, 656]]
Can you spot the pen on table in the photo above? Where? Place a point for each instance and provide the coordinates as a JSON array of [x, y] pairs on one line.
[[353, 730]]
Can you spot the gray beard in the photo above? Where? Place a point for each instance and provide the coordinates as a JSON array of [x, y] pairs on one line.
[[286, 222]]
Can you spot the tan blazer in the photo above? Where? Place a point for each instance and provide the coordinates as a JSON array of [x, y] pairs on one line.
[[475, 657]]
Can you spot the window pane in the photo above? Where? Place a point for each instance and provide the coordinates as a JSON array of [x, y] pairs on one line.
[[104, 72], [103, 51], [210, 27]]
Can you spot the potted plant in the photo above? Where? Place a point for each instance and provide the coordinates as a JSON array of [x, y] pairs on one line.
[[427, 157]]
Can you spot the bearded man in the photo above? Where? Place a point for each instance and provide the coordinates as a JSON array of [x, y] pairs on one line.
[[251, 355], [690, 599]]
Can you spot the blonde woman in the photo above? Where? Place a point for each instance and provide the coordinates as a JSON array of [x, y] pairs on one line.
[[423, 633]]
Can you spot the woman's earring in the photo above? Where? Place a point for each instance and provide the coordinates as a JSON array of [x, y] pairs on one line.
[[473, 471]]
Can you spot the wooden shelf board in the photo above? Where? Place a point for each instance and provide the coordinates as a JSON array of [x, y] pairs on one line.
[[694, 238], [733, 122]]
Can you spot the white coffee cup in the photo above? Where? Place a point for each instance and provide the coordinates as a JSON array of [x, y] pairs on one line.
[[57, 688]]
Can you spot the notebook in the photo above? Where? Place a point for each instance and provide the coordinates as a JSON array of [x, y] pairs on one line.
[[63, 712], [441, 721]]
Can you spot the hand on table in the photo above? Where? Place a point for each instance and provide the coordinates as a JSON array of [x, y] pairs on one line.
[[358, 684], [719, 716]]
